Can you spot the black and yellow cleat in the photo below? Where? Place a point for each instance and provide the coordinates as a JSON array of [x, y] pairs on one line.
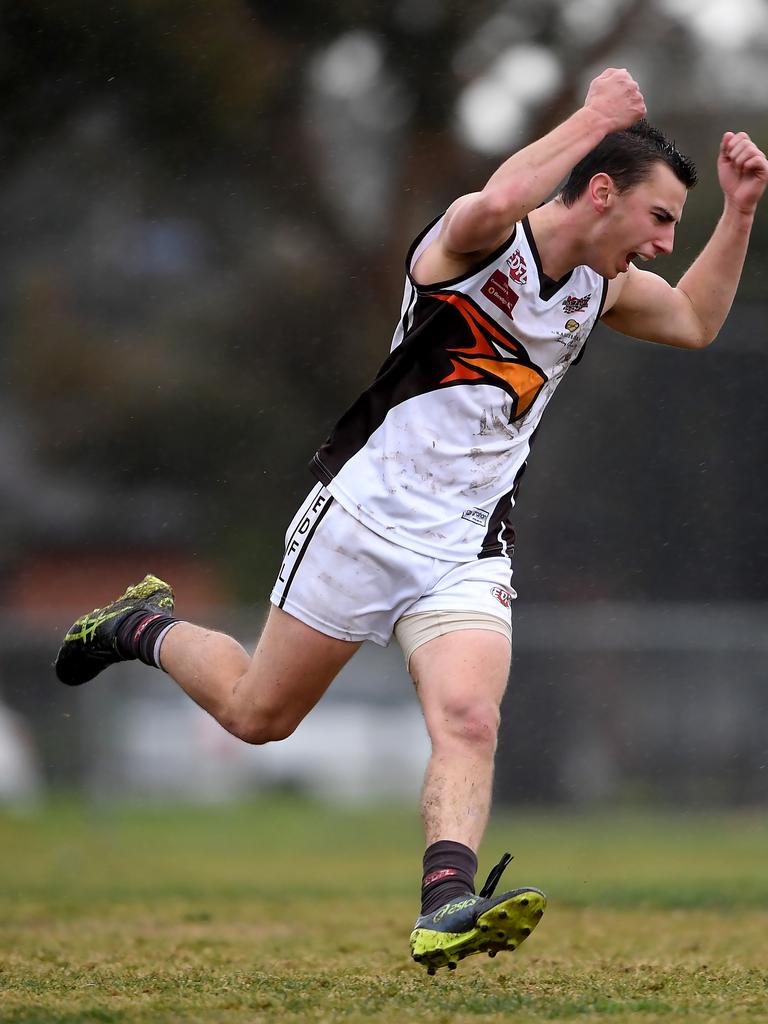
[[90, 644], [477, 924]]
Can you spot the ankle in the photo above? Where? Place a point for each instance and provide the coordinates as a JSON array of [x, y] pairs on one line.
[[140, 635], [449, 871]]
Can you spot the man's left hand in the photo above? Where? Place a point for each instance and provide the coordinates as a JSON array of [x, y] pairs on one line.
[[743, 171]]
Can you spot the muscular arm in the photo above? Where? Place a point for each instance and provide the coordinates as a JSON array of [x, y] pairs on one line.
[[690, 315], [477, 223]]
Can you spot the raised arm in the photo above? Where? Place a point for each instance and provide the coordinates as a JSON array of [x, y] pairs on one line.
[[477, 223], [643, 305]]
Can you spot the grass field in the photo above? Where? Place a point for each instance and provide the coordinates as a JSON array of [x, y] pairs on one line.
[[283, 910]]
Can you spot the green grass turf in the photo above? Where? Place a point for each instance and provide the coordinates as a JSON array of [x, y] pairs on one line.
[[283, 910]]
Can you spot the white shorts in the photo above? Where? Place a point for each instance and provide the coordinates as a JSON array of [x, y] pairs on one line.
[[348, 582]]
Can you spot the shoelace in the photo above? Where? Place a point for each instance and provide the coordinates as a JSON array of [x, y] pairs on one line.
[[493, 878]]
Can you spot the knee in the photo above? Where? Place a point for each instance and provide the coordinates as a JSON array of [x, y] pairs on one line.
[[466, 722], [258, 729]]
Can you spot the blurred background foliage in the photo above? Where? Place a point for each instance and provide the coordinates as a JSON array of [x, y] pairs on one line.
[[203, 217]]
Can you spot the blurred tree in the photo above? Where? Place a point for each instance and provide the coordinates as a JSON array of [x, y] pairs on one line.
[[205, 212]]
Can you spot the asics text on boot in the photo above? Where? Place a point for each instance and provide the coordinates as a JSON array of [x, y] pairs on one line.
[[477, 924]]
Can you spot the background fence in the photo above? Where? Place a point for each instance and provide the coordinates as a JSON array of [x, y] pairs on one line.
[[608, 703]]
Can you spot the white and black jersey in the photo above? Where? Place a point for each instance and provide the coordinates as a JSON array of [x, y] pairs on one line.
[[431, 454]]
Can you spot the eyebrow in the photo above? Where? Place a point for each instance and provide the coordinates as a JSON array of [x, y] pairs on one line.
[[664, 213]]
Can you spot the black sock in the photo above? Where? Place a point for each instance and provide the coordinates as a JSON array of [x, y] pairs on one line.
[[138, 633], [449, 871]]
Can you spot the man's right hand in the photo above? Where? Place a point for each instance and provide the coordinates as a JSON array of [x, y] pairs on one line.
[[477, 224], [616, 96]]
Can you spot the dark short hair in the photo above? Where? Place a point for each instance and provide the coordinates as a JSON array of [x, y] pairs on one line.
[[628, 157]]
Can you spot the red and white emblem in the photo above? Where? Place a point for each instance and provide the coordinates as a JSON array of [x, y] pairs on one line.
[[518, 271]]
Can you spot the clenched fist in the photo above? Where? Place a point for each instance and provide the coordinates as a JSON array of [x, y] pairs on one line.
[[743, 171], [616, 96]]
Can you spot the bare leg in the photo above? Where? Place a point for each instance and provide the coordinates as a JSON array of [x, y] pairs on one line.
[[460, 679], [261, 698]]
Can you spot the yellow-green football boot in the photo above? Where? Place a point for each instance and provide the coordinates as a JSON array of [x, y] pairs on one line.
[[90, 643], [477, 924]]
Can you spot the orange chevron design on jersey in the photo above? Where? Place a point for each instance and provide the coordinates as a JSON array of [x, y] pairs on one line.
[[481, 361]]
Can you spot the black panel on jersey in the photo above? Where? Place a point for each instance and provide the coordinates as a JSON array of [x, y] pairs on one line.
[[420, 364], [500, 536]]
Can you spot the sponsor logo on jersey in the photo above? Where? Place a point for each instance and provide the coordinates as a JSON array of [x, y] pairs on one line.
[[572, 325], [518, 271], [478, 516], [497, 289], [502, 595], [568, 339], [572, 304]]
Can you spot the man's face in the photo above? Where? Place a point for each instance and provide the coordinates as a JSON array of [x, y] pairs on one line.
[[639, 224]]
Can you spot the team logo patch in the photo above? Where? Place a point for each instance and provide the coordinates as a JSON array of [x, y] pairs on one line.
[[572, 304], [478, 516], [572, 325], [502, 596], [497, 289], [518, 271]]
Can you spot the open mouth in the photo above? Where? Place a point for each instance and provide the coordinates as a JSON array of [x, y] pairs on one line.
[[637, 256]]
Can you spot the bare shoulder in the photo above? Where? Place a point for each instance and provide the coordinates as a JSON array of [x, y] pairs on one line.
[[615, 288], [645, 306], [466, 238], [637, 293], [436, 264]]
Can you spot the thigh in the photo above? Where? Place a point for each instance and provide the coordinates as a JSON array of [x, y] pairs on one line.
[[471, 598], [292, 667], [461, 675]]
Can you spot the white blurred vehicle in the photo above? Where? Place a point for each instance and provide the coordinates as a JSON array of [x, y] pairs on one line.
[[365, 740], [20, 776]]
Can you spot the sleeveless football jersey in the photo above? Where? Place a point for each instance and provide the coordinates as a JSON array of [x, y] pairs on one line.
[[431, 455]]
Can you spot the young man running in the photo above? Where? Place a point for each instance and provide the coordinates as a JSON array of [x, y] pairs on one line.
[[408, 531]]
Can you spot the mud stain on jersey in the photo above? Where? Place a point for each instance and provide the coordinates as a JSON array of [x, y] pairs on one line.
[[492, 422], [486, 468]]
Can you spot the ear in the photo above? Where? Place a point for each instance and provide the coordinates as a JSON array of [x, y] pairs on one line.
[[602, 191]]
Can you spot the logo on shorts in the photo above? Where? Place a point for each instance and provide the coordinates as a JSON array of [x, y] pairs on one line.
[[502, 595], [301, 533], [478, 516]]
